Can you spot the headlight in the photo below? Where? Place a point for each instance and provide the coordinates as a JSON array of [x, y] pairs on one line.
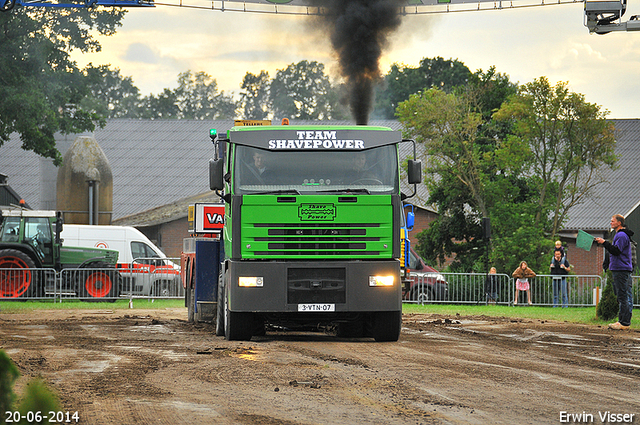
[[248, 282], [381, 280]]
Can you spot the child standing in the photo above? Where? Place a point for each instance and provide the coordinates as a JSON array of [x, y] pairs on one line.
[[522, 275]]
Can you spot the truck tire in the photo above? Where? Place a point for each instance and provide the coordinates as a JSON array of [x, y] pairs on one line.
[[162, 288], [237, 326], [20, 281], [386, 325], [190, 301], [422, 295], [220, 306], [96, 283]]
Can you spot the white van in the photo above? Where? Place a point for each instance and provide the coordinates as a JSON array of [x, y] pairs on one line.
[[143, 266]]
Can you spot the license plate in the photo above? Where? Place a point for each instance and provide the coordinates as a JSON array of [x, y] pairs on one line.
[[317, 307]]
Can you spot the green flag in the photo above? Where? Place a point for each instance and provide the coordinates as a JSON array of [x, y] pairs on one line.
[[584, 240]]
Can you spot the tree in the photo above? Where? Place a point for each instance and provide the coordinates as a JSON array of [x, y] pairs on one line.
[[198, 98], [483, 166], [111, 94], [40, 86], [568, 142], [403, 81], [162, 106], [471, 174], [301, 91], [254, 100], [608, 307]]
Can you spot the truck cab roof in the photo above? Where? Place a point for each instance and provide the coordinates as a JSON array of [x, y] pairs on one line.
[[17, 212]]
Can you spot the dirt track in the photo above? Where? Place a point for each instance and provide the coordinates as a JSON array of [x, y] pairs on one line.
[[144, 366]]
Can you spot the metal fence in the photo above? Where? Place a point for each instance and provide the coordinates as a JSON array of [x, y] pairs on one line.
[[151, 278], [469, 288], [155, 278]]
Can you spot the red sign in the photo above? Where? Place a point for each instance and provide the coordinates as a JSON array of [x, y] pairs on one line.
[[209, 218]]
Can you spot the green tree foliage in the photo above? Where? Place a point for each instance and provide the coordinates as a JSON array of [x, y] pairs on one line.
[[8, 375], [38, 398], [402, 81], [254, 99], [501, 166], [162, 106], [568, 142], [41, 88], [301, 91], [198, 98], [470, 174], [111, 94]]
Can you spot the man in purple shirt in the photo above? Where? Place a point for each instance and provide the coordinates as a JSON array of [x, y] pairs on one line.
[[621, 267]]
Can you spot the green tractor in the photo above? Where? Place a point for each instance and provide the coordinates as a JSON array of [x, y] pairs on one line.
[[34, 264]]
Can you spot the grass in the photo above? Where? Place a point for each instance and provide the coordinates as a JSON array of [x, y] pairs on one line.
[[584, 315], [30, 306]]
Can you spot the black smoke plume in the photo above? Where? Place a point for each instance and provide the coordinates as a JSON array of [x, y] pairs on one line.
[[359, 30]]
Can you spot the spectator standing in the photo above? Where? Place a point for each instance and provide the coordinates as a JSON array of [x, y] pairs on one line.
[[621, 266], [560, 269], [491, 286], [522, 275]]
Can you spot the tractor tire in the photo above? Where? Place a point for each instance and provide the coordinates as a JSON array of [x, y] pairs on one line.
[[96, 283], [17, 279]]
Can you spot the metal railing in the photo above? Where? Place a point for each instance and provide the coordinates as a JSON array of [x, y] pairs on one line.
[[469, 288], [151, 278], [157, 278]]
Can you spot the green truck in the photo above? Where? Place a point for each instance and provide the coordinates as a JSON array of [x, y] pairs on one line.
[[311, 229], [34, 264]]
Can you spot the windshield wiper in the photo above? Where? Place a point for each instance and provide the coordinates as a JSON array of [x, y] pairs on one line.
[[359, 190], [279, 192]]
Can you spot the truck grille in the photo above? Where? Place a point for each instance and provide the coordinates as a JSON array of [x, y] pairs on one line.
[[312, 240], [316, 227], [324, 285]]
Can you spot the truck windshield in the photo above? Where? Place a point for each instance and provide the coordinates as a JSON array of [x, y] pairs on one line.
[[370, 171]]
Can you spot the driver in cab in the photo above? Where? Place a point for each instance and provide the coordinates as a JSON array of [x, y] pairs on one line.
[[359, 173]]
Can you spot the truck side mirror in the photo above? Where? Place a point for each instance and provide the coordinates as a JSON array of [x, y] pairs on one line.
[[411, 219], [414, 171], [216, 168]]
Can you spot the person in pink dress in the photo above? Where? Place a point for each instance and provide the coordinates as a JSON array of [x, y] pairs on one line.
[[522, 275]]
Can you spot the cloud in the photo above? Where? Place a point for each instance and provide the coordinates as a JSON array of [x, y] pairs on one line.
[[138, 52], [256, 56]]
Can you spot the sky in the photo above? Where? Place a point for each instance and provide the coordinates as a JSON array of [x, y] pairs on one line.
[[154, 45]]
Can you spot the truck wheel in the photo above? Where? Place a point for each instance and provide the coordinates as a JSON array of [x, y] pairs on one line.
[[161, 288], [220, 307], [99, 285], [422, 295], [190, 296], [19, 281], [237, 326], [386, 325]]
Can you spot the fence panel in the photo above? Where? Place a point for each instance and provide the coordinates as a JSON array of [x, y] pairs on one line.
[[22, 283], [151, 278], [580, 290], [469, 288]]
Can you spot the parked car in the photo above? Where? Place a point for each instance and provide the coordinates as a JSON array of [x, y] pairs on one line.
[[423, 283]]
